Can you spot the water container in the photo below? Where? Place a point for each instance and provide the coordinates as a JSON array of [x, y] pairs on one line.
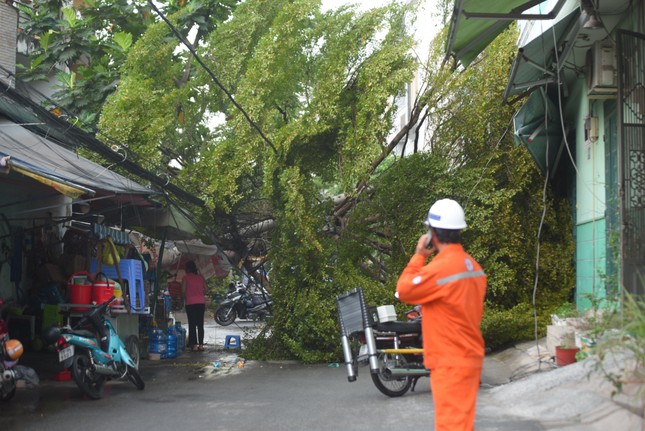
[[155, 343], [171, 343], [181, 337], [163, 344], [167, 302]]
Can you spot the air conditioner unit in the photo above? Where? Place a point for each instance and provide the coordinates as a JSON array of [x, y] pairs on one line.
[[602, 71]]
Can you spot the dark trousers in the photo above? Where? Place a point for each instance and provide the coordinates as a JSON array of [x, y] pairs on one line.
[[195, 314]]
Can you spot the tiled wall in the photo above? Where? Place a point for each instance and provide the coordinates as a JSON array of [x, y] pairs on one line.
[[8, 33]]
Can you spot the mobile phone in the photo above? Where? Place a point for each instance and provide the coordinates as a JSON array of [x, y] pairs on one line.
[[429, 239]]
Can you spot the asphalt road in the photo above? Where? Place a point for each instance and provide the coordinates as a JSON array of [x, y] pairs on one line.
[[208, 391], [192, 394]]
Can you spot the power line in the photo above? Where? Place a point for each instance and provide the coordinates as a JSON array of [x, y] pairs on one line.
[[212, 75]]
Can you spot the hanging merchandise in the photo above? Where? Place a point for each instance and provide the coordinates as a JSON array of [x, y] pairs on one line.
[[110, 253]]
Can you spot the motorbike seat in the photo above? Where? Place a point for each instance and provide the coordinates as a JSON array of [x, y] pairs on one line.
[[81, 333], [399, 327]]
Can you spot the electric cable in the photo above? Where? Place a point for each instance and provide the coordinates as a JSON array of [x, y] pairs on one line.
[[539, 232], [212, 75], [544, 195]]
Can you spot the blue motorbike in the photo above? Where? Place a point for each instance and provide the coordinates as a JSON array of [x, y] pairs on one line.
[[94, 352]]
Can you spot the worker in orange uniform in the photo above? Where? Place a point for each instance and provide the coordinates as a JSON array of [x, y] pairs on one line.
[[450, 289]]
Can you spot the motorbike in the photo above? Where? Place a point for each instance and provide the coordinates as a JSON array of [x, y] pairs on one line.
[[94, 353], [240, 302], [10, 372], [372, 335]]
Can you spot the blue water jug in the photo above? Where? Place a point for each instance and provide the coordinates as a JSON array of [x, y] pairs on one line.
[[163, 344], [155, 341], [171, 342], [181, 337]]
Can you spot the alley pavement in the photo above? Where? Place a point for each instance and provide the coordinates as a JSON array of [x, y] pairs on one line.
[[521, 382]]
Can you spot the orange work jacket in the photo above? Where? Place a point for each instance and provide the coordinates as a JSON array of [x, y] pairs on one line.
[[450, 289]]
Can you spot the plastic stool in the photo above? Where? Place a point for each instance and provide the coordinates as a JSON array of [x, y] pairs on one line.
[[232, 342]]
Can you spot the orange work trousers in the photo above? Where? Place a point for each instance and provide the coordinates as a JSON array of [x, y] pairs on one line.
[[454, 391]]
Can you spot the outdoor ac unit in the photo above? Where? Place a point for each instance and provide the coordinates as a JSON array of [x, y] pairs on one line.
[[601, 70]]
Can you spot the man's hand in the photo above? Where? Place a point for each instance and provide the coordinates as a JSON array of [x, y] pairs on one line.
[[421, 246]]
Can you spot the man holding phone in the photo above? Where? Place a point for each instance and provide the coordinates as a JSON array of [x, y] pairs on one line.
[[450, 289]]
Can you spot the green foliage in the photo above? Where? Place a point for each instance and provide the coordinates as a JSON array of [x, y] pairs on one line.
[[92, 40], [321, 87], [147, 96], [566, 309], [503, 327]]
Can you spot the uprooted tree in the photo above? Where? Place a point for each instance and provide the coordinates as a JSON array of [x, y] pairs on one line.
[[306, 175], [318, 92]]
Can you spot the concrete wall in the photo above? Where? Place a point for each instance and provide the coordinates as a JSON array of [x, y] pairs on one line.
[[8, 33], [590, 195]]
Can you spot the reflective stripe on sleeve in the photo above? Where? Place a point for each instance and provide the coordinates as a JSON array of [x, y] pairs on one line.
[[461, 276]]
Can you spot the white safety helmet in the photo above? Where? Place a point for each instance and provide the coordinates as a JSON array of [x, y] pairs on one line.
[[446, 214]]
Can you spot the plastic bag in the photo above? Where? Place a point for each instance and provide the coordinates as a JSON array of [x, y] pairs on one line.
[[110, 253]]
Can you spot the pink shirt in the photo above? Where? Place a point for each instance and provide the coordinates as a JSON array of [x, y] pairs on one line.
[[195, 289]]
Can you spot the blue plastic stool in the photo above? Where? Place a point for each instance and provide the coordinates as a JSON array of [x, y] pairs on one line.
[[232, 342]]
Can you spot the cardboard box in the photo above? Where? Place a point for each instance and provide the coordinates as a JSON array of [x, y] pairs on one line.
[[557, 335]]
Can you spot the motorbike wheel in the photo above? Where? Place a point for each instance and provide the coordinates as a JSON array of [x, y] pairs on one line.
[[90, 383], [132, 347], [135, 378], [392, 386], [225, 314], [7, 389]]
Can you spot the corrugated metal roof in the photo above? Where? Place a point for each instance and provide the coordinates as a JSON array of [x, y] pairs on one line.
[[476, 23], [44, 157]]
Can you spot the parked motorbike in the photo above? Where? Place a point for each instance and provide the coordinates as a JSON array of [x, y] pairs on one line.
[[372, 335], [10, 372], [94, 352], [239, 302]]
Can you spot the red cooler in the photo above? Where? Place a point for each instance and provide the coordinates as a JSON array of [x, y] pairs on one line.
[[79, 285], [103, 289]]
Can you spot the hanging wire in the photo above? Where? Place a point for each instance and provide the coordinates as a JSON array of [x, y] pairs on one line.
[[212, 75]]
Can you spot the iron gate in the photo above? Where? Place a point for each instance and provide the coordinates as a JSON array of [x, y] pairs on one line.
[[631, 90]]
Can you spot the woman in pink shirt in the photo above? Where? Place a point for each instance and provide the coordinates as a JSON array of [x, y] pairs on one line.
[[194, 288]]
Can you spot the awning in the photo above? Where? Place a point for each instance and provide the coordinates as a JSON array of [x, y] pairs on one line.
[[537, 126], [22, 110], [536, 63], [59, 167], [476, 23], [170, 222], [574, 33]]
